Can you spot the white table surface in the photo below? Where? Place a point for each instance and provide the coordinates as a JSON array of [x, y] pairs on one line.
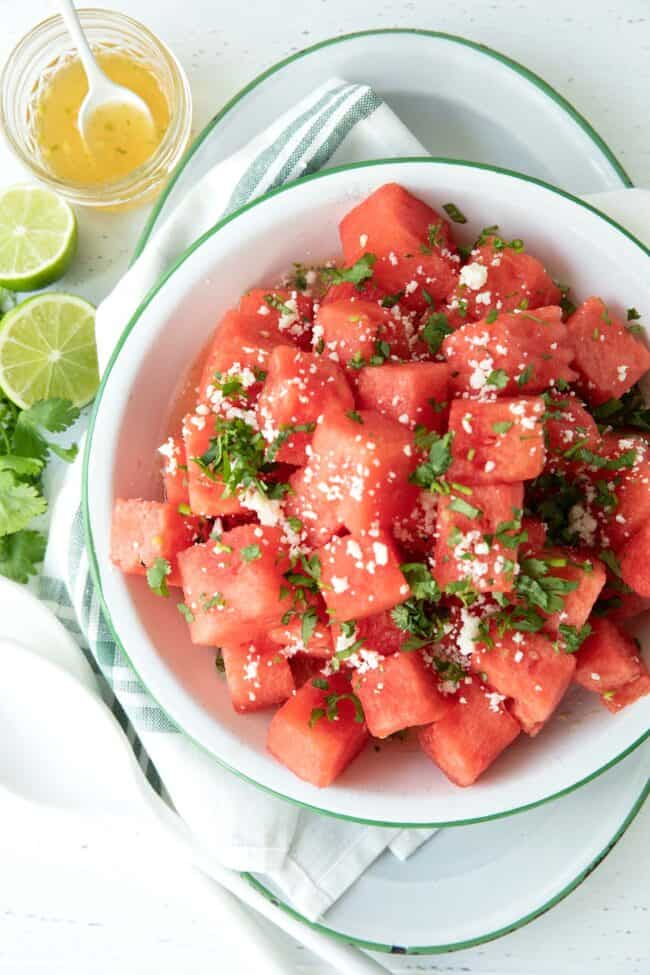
[[76, 908]]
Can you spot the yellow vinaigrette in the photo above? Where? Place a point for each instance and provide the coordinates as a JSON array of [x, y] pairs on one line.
[[119, 138]]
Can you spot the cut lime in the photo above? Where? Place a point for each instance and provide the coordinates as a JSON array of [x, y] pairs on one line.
[[38, 237], [47, 348]]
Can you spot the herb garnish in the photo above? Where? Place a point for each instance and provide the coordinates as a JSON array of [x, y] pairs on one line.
[[157, 576], [454, 214], [359, 272], [434, 331]]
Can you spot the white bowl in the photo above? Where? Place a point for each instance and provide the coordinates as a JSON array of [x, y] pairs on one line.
[[398, 784]]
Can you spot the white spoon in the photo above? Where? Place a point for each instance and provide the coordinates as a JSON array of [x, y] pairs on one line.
[[68, 756], [101, 90]]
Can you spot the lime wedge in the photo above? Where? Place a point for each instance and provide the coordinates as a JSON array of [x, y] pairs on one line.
[[47, 348], [38, 237]]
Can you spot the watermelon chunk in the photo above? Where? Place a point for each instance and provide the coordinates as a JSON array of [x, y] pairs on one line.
[[568, 426], [412, 243], [258, 675], [360, 576], [355, 332], [174, 471], [284, 312], [471, 735], [206, 491], [306, 631], [510, 355], [363, 467], [578, 567], [415, 531], [608, 357], [607, 659], [299, 387], [536, 535], [497, 442], [304, 667], [468, 547], [635, 561], [143, 531], [314, 502], [242, 341], [315, 748], [623, 696], [235, 587], [412, 393], [527, 668], [400, 692], [380, 634], [500, 278], [366, 291]]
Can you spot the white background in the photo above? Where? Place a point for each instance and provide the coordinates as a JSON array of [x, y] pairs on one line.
[[74, 910]]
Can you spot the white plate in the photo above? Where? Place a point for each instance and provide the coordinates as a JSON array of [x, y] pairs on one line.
[[299, 222], [476, 883], [436, 84]]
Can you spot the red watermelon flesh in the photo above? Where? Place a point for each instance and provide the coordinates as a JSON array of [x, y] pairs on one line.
[[400, 692], [235, 587], [361, 576], [353, 331], [497, 442], [510, 355], [473, 733], [500, 279], [314, 502], [239, 342], [283, 311], [366, 291], [635, 561], [298, 389], [608, 357], [258, 675], [527, 668], [412, 243], [607, 659], [568, 426], [304, 668], [628, 694], [310, 623], [467, 548], [579, 568], [415, 531], [317, 749], [411, 393], [143, 531]]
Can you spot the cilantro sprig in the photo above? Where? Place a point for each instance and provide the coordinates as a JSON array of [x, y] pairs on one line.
[[359, 272], [25, 447]]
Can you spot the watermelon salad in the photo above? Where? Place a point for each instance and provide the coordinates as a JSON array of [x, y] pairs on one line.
[[411, 496]]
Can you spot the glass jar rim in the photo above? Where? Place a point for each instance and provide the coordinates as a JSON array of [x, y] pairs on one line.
[[144, 178]]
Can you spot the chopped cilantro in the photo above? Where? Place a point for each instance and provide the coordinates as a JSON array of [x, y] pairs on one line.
[[354, 415], [421, 582], [331, 709], [454, 214], [185, 612], [449, 670], [157, 576], [541, 589], [286, 431], [525, 376], [498, 378], [633, 315], [492, 316], [389, 301], [250, 553], [359, 272], [219, 663], [275, 302], [427, 475], [308, 623], [463, 507], [570, 638], [628, 411], [435, 328], [503, 426]]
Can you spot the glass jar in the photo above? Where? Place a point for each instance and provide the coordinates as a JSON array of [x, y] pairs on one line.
[[47, 48]]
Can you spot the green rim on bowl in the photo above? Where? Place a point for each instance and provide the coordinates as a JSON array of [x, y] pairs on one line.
[[515, 66], [92, 555], [472, 942]]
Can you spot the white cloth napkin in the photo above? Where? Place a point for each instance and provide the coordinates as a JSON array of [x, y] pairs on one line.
[[313, 859]]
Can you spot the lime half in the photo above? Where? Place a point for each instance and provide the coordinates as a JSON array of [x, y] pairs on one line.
[[47, 348], [38, 237]]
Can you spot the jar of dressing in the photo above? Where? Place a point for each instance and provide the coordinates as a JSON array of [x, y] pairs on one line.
[[125, 160]]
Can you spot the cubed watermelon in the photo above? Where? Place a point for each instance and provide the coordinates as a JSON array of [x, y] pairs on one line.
[[415, 531], [206, 490], [607, 659], [510, 354], [235, 586], [356, 332], [316, 747], [306, 631], [635, 561], [143, 531], [380, 634], [288, 313], [527, 668], [361, 576], [497, 442], [314, 502], [412, 243], [581, 570], [344, 290], [400, 692], [475, 538], [608, 357], [535, 531], [568, 427], [298, 389], [174, 471], [362, 463], [304, 667], [628, 694], [244, 341], [412, 393], [471, 735], [258, 675], [500, 278], [615, 482]]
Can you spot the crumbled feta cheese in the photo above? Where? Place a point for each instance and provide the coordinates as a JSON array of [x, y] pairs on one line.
[[474, 276]]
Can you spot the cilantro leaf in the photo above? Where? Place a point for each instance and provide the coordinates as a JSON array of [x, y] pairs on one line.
[[20, 553], [250, 553], [428, 474], [19, 503], [359, 272], [421, 582], [157, 576], [434, 331], [454, 213]]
